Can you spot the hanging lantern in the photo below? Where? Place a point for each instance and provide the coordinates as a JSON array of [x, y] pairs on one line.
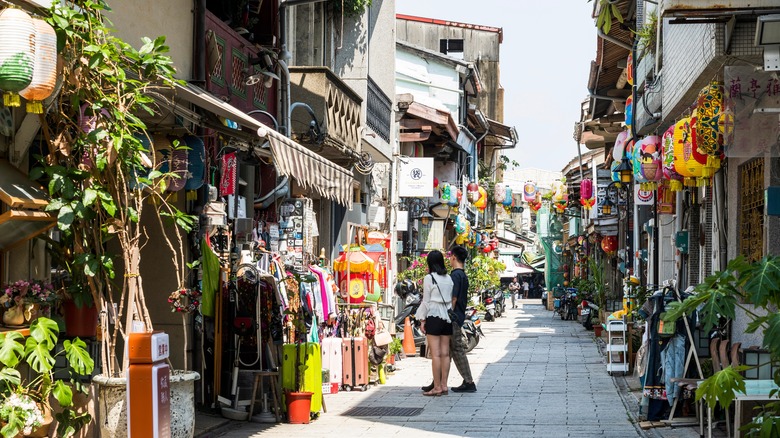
[[647, 162], [455, 200], [613, 168], [560, 197], [609, 244], [435, 182], [684, 162], [444, 192], [620, 145], [17, 53], [461, 223], [481, 202], [472, 191], [667, 153], [45, 70], [586, 194], [710, 163], [629, 111], [709, 107], [499, 192], [630, 69], [509, 200], [536, 203], [529, 191]]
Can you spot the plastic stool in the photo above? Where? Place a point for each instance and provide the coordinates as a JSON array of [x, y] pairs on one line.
[[273, 377]]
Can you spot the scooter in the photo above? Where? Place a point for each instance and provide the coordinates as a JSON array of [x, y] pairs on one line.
[[472, 328], [490, 306], [498, 298], [589, 310], [569, 304], [409, 293]]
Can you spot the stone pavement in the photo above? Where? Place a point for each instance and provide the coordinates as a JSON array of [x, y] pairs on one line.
[[536, 376]]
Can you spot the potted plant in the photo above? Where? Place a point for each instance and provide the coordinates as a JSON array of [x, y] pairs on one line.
[[24, 300], [26, 406], [752, 288], [394, 347]]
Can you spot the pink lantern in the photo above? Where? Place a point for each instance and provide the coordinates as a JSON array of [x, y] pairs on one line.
[[499, 193], [529, 191], [647, 162], [586, 194]]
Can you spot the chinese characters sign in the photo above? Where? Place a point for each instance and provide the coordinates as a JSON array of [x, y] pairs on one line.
[[753, 97]]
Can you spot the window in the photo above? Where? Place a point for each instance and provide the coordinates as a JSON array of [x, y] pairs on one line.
[[450, 47], [751, 209], [306, 34]]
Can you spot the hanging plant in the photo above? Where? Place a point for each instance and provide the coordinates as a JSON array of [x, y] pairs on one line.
[[647, 35], [608, 11]]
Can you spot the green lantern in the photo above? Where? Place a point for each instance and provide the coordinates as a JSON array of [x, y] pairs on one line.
[[17, 53]]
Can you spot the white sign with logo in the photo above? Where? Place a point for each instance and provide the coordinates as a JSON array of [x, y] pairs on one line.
[[643, 197], [416, 177]]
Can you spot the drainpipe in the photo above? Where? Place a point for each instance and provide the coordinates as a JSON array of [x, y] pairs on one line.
[[613, 40], [199, 56], [720, 208]]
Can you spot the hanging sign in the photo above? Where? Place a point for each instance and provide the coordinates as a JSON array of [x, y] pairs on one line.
[[402, 220], [227, 185], [416, 177], [643, 197]]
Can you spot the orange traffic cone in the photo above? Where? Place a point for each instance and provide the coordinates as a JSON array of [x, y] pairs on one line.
[[409, 348]]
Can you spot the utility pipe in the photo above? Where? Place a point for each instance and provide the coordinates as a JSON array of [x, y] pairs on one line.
[[720, 207], [613, 40]]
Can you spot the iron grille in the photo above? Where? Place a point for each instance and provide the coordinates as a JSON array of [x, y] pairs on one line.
[[382, 411], [708, 233], [751, 209], [378, 111], [218, 73], [237, 75]]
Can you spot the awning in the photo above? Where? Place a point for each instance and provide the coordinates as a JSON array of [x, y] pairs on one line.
[[309, 169], [25, 217]]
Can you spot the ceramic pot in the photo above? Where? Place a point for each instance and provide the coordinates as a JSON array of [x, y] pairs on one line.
[[298, 407]]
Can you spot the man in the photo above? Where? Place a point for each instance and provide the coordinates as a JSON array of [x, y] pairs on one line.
[[514, 290], [460, 297], [525, 289]]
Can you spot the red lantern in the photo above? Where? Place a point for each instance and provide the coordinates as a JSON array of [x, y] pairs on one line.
[[472, 190], [435, 182], [565, 283], [609, 244]]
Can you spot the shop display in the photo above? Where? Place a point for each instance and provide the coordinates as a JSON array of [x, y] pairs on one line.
[[291, 229]]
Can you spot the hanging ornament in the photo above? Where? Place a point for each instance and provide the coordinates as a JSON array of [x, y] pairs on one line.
[[684, 162], [481, 202], [435, 182], [509, 200], [499, 192], [444, 191], [620, 145], [667, 153], [609, 244], [45, 68], [709, 108], [586, 193], [629, 111], [710, 163], [646, 162], [529, 191], [17, 53], [472, 191], [630, 69], [560, 196]]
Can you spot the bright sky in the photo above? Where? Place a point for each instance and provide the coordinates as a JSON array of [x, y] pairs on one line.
[[545, 59]]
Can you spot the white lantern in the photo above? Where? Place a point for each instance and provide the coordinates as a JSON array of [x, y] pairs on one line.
[[45, 71], [17, 53]]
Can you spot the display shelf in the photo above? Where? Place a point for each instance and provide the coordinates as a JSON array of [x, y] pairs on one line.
[[617, 367], [617, 347]]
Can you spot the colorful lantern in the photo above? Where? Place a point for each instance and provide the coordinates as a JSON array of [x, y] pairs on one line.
[[17, 53], [613, 168], [472, 191], [529, 191], [630, 69], [509, 200], [560, 197], [684, 162], [620, 145], [629, 111], [461, 224], [499, 193], [536, 203], [481, 202], [667, 153], [609, 244], [45, 70], [445, 193], [710, 163], [647, 162], [458, 196], [709, 107], [586, 194], [435, 182]]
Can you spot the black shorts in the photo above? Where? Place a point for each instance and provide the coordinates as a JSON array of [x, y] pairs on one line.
[[437, 327]]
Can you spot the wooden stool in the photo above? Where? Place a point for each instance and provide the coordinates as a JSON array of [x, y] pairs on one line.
[[273, 377]]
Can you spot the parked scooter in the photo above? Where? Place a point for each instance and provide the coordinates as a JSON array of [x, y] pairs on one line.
[[472, 329], [589, 313], [569, 304], [410, 294], [500, 300], [490, 305]]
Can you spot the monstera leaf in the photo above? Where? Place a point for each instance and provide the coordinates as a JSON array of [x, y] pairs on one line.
[[11, 349], [78, 356], [38, 355]]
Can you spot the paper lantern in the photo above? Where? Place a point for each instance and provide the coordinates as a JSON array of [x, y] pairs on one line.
[[444, 192], [454, 199], [586, 194], [629, 111], [509, 200], [630, 69], [667, 154], [560, 196], [435, 182], [44, 76], [529, 191], [684, 162], [615, 174], [17, 53], [472, 191], [647, 162], [620, 145], [499, 193], [710, 163], [461, 224], [179, 167], [609, 244], [481, 202], [709, 107]]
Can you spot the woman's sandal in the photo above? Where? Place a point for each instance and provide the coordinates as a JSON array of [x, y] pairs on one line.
[[432, 394]]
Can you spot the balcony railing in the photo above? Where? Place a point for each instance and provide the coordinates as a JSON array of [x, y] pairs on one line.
[[378, 111], [335, 105]]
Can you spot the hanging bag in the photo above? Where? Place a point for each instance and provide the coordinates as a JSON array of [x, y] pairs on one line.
[[382, 336]]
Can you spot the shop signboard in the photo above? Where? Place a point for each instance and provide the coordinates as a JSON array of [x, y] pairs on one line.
[[416, 177]]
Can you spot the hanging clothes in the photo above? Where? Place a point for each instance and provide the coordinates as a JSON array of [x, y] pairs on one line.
[[673, 360], [654, 389], [210, 279]]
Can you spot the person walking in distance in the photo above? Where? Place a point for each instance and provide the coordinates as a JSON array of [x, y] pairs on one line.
[[514, 290], [460, 296], [525, 289]]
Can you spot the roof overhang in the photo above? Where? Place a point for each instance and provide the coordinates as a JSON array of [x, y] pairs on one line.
[[24, 218]]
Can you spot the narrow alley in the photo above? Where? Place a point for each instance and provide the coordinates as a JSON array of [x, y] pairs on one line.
[[536, 376]]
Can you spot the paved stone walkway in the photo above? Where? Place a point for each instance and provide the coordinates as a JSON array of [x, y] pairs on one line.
[[536, 376]]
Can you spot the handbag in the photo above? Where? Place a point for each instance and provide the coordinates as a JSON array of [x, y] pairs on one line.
[[382, 336], [450, 313], [666, 329]]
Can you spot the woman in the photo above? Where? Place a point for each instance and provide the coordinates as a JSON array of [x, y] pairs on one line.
[[436, 324]]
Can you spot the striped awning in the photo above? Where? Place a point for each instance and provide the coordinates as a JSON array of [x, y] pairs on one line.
[[310, 170]]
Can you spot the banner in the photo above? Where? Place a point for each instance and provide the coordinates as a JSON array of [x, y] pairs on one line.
[[643, 197], [416, 177], [227, 185]]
